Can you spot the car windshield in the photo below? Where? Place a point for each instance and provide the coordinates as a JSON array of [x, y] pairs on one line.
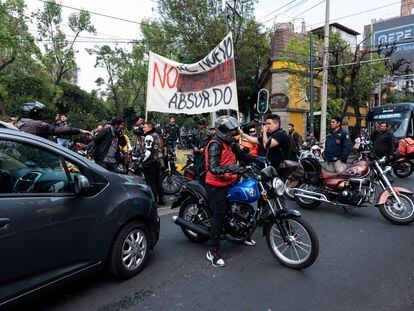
[[397, 122]]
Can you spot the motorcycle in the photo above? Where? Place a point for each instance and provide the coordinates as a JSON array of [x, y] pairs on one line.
[[354, 187], [171, 179], [402, 167], [290, 239], [189, 168]]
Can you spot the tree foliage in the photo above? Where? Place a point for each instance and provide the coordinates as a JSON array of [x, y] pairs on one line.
[[59, 53], [16, 43]]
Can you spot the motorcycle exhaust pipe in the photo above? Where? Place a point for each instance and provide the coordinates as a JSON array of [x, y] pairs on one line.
[[191, 226]]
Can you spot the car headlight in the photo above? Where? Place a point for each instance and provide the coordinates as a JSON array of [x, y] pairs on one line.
[[279, 186]]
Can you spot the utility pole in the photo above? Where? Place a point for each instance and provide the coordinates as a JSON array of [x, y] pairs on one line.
[[325, 75], [311, 89]]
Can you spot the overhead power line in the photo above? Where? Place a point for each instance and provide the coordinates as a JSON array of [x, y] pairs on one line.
[[359, 13], [309, 9], [94, 13], [274, 11]]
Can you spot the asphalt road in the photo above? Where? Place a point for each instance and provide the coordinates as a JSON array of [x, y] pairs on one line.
[[365, 263]]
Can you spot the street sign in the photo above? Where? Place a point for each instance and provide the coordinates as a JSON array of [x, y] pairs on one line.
[[317, 113], [262, 101]]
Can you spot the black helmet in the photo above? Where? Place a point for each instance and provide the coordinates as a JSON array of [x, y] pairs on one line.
[[32, 110], [224, 125], [139, 130], [201, 121]]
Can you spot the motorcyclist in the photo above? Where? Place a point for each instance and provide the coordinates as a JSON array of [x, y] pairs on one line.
[[31, 123], [221, 156]]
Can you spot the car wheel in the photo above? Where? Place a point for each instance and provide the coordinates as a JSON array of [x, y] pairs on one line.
[[129, 251]]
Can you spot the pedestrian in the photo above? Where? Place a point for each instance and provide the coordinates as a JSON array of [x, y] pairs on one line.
[[361, 141], [199, 141], [106, 144], [337, 147], [296, 138], [212, 131], [31, 123], [383, 143], [172, 134], [151, 160], [63, 122], [221, 156], [273, 142]]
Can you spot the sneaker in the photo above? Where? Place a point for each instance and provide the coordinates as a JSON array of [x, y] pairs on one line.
[[214, 256], [249, 242]]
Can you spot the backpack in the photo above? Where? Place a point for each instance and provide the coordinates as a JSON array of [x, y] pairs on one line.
[[292, 152], [406, 146]]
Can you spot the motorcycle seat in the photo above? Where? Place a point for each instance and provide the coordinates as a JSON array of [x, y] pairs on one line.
[[328, 175], [193, 184]]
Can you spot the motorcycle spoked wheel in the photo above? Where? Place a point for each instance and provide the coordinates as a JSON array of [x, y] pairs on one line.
[[302, 246], [396, 215], [170, 182], [403, 170], [190, 210], [289, 185], [307, 203]]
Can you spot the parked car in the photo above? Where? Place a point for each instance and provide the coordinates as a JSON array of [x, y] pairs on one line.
[[61, 215]]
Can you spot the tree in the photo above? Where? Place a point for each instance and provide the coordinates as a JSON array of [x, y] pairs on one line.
[[59, 53], [112, 60], [15, 40]]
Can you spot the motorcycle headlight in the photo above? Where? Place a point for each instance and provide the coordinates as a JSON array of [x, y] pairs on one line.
[[279, 186]]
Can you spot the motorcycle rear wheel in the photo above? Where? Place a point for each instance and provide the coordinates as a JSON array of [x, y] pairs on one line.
[[302, 246], [404, 169], [389, 210], [192, 211], [170, 182]]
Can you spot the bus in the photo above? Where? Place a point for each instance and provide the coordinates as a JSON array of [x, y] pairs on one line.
[[398, 116]]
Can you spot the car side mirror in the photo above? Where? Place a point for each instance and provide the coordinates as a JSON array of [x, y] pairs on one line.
[[81, 184]]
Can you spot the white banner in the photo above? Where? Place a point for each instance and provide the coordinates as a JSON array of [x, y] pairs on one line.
[[206, 86]]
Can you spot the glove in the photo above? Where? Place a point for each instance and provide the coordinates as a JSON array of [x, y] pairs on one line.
[[238, 170], [261, 160]]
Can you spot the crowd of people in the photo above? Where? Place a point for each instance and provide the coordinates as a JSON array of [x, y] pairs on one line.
[[218, 151]]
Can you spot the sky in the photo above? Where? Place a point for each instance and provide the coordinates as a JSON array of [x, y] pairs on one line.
[[137, 10]]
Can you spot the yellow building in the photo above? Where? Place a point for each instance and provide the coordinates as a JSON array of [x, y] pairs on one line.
[[289, 97]]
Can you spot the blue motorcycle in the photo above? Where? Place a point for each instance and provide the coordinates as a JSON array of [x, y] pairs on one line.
[[290, 239]]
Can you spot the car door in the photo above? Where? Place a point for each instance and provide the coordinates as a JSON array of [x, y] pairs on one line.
[[45, 230]]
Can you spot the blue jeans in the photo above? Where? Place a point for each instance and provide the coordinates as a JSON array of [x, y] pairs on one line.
[[63, 142]]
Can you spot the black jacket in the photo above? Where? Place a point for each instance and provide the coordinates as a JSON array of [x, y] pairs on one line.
[[200, 140], [102, 141], [172, 132], [384, 144], [44, 129]]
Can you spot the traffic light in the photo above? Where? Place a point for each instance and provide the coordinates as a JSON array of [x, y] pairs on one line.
[[262, 101]]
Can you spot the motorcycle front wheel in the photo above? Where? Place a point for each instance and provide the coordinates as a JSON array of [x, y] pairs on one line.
[[404, 169], [398, 215], [198, 214], [170, 182], [307, 203], [293, 242]]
